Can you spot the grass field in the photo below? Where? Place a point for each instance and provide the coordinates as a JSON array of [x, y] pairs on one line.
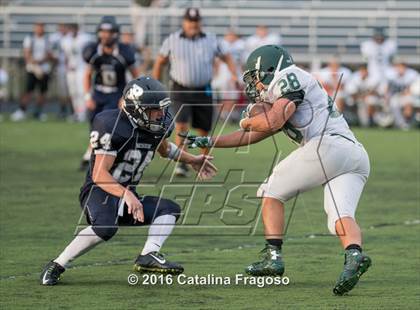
[[39, 213]]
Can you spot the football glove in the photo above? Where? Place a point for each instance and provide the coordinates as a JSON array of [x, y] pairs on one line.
[[196, 141]]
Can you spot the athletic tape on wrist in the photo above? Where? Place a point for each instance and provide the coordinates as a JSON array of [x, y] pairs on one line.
[[174, 151]]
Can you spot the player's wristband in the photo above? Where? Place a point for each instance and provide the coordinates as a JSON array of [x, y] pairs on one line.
[[174, 151]]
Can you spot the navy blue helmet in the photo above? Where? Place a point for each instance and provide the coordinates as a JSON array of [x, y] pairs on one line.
[[142, 94]]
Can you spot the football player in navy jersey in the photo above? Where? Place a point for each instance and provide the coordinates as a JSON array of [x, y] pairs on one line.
[[124, 142], [105, 77]]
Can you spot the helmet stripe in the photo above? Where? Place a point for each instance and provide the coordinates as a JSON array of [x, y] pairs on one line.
[[258, 63], [279, 63]]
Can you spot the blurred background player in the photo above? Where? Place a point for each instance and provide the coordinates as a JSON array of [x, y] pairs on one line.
[[142, 54], [399, 80], [415, 101], [140, 22], [72, 46], [38, 56], [226, 89], [191, 54], [107, 60], [329, 77], [60, 72], [261, 37], [138, 36], [378, 53], [4, 79], [364, 94]]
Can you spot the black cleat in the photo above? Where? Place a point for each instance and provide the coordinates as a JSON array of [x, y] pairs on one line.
[[51, 274], [355, 264], [156, 262]]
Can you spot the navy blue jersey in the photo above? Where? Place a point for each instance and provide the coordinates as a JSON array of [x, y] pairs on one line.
[[113, 133], [109, 69]]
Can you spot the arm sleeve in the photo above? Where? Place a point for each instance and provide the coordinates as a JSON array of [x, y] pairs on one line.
[[164, 50], [103, 139]]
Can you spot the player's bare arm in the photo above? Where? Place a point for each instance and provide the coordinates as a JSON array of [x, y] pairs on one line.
[[200, 163], [239, 138], [27, 55], [157, 67], [103, 178], [272, 120], [87, 84], [234, 139], [227, 58]]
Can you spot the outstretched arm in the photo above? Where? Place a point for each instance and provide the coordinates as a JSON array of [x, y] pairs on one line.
[[254, 129], [239, 138], [234, 139], [200, 163]]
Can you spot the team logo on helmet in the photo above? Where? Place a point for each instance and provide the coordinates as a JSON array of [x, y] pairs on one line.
[[134, 93], [140, 96]]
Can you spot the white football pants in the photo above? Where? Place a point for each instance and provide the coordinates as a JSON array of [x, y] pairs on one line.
[[75, 86], [342, 168]]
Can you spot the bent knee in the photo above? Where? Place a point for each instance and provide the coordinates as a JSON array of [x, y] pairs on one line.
[[264, 193], [169, 207], [105, 232], [333, 221]]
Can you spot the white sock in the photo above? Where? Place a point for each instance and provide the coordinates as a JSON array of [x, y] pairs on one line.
[[87, 154], [159, 231], [85, 240]]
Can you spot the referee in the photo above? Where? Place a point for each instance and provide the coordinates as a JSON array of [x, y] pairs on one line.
[[191, 54]]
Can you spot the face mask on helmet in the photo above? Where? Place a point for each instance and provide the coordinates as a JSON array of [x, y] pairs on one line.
[[141, 114], [251, 78]]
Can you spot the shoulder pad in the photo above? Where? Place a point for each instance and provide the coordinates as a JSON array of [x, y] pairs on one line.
[[128, 53], [112, 125], [89, 51]]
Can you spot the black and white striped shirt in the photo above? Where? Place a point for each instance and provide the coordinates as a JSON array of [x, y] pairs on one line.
[[191, 60]]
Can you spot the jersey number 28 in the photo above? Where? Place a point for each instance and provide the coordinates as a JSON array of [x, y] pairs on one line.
[[290, 83]]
